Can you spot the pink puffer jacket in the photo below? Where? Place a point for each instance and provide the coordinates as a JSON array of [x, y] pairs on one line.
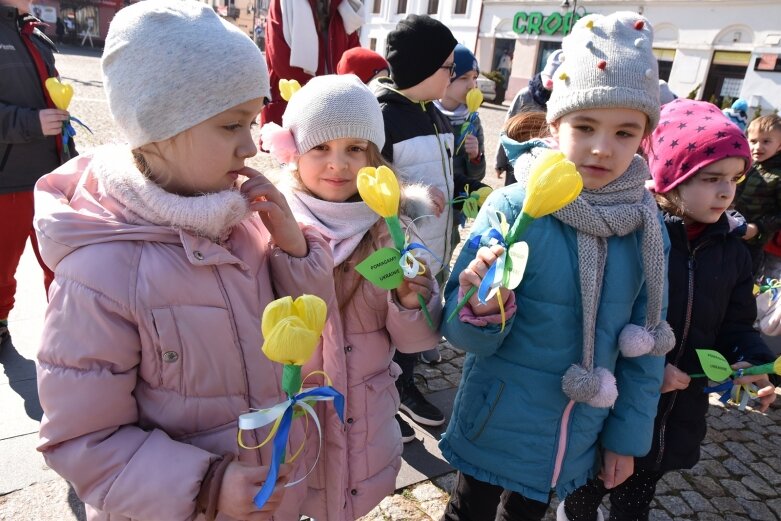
[[151, 345], [361, 458]]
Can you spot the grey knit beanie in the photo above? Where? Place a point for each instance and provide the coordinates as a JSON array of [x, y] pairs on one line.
[[333, 107], [608, 62], [171, 64]]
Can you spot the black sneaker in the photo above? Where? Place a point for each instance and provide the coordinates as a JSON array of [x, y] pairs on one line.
[[407, 432], [4, 335], [418, 408]]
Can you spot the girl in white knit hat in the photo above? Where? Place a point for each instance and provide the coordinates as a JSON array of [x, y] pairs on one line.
[[331, 129], [566, 392], [163, 266]]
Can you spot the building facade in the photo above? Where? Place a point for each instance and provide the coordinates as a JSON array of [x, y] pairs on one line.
[[718, 49]]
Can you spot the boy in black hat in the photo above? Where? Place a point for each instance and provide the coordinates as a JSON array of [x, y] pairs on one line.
[[419, 143]]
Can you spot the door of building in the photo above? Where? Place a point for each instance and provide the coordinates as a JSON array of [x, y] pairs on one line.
[[725, 77]]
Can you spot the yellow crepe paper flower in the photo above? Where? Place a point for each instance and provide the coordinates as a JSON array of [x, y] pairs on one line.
[[287, 88], [483, 194], [474, 98], [379, 188], [60, 93], [292, 328], [553, 184]]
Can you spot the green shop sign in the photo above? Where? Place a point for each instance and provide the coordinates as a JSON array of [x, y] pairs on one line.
[[537, 23]]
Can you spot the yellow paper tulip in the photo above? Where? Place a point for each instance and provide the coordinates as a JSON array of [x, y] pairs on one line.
[[60, 93], [483, 194], [287, 88], [474, 98], [379, 188], [553, 184], [292, 328]]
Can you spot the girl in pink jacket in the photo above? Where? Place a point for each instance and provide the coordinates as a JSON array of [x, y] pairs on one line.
[[163, 266], [332, 128]]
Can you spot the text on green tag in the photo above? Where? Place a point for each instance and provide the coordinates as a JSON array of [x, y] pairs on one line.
[[714, 365], [382, 268]]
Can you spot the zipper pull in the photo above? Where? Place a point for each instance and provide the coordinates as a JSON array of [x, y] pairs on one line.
[[449, 155]]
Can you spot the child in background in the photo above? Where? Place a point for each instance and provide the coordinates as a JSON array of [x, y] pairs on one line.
[[364, 63], [30, 140], [521, 133], [759, 198], [419, 144], [582, 344], [336, 125], [151, 346], [469, 157], [711, 301], [532, 98]]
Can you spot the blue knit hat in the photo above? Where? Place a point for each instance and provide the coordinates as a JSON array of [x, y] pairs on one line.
[[464, 61]]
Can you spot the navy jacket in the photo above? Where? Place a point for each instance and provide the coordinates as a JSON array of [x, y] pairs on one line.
[[711, 290]]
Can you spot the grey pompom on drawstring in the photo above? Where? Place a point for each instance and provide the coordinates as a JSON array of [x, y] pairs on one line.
[[596, 388], [664, 339], [635, 341]]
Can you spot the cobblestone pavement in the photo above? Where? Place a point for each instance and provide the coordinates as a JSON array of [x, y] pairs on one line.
[[739, 477]]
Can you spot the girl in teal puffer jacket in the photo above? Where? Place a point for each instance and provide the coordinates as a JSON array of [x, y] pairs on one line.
[[567, 391]]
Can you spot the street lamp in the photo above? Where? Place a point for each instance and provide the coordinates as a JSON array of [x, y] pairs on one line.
[[569, 16]]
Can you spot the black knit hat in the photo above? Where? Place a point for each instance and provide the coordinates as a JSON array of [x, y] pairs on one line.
[[417, 48]]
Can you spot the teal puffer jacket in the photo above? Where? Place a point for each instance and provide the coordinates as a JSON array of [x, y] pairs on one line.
[[512, 425]]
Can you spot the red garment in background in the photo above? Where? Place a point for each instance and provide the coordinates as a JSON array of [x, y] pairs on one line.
[[278, 54], [16, 217]]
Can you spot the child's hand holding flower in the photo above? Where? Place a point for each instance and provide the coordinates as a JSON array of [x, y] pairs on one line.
[[407, 293]]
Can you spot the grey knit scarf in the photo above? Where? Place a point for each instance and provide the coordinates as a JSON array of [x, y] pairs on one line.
[[618, 209]]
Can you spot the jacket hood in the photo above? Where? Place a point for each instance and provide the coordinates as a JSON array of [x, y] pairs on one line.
[[388, 92], [731, 223], [101, 197]]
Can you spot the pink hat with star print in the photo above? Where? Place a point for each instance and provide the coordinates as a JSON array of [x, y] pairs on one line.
[[691, 135]]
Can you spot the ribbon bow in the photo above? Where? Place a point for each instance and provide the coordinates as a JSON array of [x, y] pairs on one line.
[[471, 201], [282, 415], [716, 368]]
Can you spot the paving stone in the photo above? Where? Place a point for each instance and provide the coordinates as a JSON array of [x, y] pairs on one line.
[[434, 509], [775, 505], [675, 505], [727, 504], [759, 450], [458, 362], [676, 481], [710, 467], [740, 451], [738, 489], [662, 487], [697, 502], [735, 517], [427, 491], [659, 515], [438, 384], [715, 436], [713, 450], [447, 354], [736, 434], [759, 486], [735, 467], [707, 485], [397, 507], [454, 379], [446, 482], [757, 511], [447, 368], [707, 516]]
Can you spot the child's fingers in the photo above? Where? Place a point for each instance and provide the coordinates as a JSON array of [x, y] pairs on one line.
[[767, 395], [468, 277]]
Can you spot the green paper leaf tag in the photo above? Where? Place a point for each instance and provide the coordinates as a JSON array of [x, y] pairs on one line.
[[470, 208], [382, 268], [516, 264], [714, 365]]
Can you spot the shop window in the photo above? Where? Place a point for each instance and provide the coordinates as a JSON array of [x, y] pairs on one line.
[[545, 50], [433, 6], [460, 7], [725, 77], [377, 6], [402, 7], [665, 58]]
